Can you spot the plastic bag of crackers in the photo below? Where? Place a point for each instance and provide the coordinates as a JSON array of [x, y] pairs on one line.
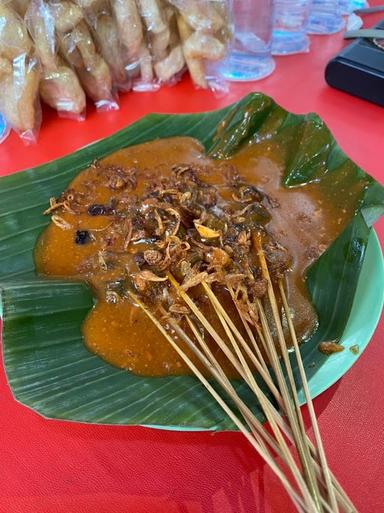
[[62, 52]]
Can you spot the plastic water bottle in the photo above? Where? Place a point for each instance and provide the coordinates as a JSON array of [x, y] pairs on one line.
[[348, 6], [249, 56], [289, 33], [354, 22], [325, 17], [357, 4], [345, 6]]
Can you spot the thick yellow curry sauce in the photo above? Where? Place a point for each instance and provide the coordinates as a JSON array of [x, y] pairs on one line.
[[304, 221]]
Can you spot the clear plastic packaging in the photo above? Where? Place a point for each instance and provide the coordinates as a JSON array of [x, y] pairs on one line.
[[63, 50], [131, 34], [41, 26], [59, 86], [155, 28], [163, 40], [19, 76], [103, 26], [168, 68], [150, 11], [133, 38], [167, 36], [20, 6], [77, 47], [66, 15], [202, 15], [146, 80], [14, 38], [204, 30], [60, 89]]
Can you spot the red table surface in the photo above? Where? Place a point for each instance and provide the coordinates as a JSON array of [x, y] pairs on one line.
[[56, 467]]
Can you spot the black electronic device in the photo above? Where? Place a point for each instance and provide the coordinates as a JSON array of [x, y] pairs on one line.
[[359, 70]]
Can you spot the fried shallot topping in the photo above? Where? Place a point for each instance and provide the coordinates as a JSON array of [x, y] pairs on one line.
[[178, 224]]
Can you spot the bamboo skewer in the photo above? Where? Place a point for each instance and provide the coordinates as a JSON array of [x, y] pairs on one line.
[[343, 499], [296, 432], [296, 499], [262, 400], [293, 411], [225, 349], [316, 466], [341, 496], [315, 489], [286, 431], [214, 361], [251, 335], [259, 367], [213, 333], [224, 318], [248, 415], [250, 418], [256, 426], [312, 414]]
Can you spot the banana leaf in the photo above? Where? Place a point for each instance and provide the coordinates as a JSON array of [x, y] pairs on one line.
[[48, 367]]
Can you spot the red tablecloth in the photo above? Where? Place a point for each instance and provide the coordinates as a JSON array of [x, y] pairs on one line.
[[57, 467]]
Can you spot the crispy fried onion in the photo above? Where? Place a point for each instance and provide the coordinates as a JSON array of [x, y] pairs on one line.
[[176, 214], [160, 225], [194, 280], [178, 308], [128, 235], [159, 205], [174, 249], [54, 205], [152, 256], [241, 212], [246, 308], [142, 278], [61, 223]]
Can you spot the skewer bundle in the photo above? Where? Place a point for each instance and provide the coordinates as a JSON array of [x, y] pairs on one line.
[[303, 471]]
